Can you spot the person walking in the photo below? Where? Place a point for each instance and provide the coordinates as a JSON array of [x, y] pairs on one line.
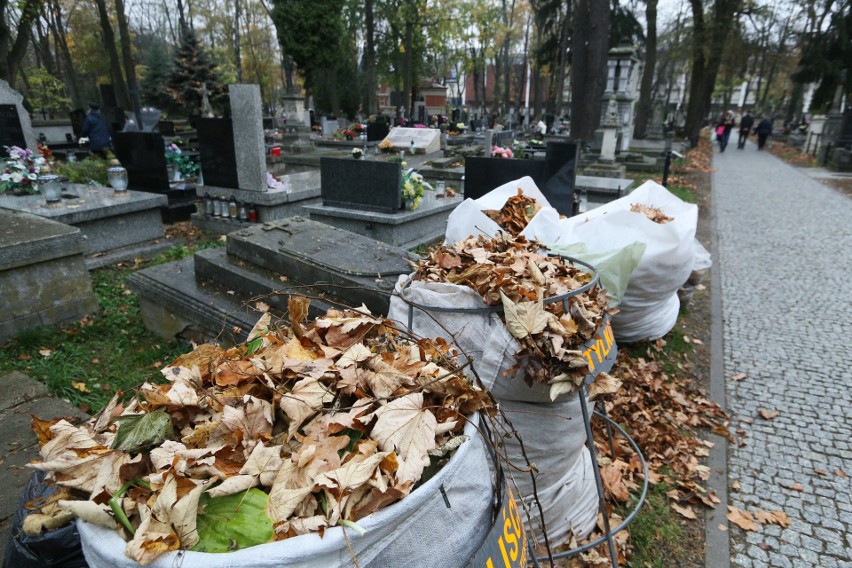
[[96, 129], [764, 129], [746, 122], [723, 130]]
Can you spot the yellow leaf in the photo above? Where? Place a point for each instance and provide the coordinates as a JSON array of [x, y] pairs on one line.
[[742, 519], [686, 512], [604, 384], [80, 386]]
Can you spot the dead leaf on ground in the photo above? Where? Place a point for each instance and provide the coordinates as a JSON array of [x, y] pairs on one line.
[[80, 386], [739, 376], [45, 352], [742, 519], [686, 512], [767, 414], [840, 473]]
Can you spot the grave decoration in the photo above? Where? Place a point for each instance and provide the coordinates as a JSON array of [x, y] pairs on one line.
[[19, 171], [411, 187], [517, 274], [178, 161], [499, 152], [308, 426]]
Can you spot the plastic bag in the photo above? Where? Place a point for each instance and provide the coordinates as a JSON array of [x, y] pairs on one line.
[[614, 265], [59, 548], [453, 509]]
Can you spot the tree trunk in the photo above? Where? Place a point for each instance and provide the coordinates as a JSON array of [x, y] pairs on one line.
[[562, 68], [644, 108], [590, 46], [372, 85], [58, 30], [12, 53], [129, 65], [114, 63], [705, 66], [238, 59]]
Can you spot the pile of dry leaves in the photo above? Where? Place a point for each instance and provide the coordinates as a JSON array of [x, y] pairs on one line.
[[334, 420], [515, 214], [515, 273]]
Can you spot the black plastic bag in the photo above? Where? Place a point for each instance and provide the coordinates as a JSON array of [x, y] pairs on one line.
[[59, 548]]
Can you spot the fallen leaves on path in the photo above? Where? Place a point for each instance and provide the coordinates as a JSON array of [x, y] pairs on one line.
[[742, 519], [767, 414]]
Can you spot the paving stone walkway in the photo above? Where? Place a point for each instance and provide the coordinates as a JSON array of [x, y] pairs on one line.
[[785, 255]]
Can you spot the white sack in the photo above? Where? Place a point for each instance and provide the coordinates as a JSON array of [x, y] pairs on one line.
[[566, 483], [408, 529], [480, 336], [648, 308], [554, 437]]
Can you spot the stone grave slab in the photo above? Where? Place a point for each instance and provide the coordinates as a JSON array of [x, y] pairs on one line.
[[329, 126], [107, 220], [426, 140], [348, 266], [42, 273], [361, 184], [15, 125]]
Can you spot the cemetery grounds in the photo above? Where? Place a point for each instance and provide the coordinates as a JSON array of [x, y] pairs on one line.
[[87, 361]]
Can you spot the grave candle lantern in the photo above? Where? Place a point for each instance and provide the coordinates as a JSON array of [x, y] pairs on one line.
[[117, 178]]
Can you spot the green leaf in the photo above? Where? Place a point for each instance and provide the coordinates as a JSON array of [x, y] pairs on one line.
[[233, 522], [142, 430], [354, 436]]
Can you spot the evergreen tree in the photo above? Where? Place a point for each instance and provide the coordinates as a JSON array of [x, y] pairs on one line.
[[191, 70], [158, 66]]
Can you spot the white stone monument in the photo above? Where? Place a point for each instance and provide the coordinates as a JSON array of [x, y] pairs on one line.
[[426, 140], [9, 96], [249, 147]]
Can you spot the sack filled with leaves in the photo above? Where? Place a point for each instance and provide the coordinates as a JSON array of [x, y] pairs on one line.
[[523, 348], [283, 450]]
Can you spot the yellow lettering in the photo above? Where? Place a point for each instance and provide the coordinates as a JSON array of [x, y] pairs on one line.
[[608, 334], [489, 563], [587, 354], [510, 537], [503, 552]]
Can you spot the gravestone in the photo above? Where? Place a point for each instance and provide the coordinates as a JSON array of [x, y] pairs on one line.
[[475, 125], [142, 154], [15, 126], [426, 140], [361, 184], [555, 175], [166, 127], [329, 126], [501, 138], [268, 123], [377, 131], [216, 152], [247, 117], [78, 116]]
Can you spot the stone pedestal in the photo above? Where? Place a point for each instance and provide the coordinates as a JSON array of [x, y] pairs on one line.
[[600, 169], [42, 274]]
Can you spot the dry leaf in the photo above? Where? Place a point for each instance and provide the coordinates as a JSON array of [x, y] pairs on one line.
[[405, 426], [739, 376], [80, 386], [840, 473], [767, 414], [742, 519], [604, 384], [45, 352], [524, 319], [261, 307], [686, 512]]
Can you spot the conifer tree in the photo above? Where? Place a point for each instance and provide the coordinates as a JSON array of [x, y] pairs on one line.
[[158, 66], [191, 70]]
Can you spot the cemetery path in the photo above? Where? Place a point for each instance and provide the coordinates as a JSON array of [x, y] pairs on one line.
[[783, 242]]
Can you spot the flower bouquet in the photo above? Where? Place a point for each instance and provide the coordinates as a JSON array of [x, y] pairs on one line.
[[412, 187], [20, 171], [500, 152], [357, 153], [386, 146], [181, 162]]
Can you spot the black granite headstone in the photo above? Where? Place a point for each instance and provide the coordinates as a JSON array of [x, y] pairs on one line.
[[481, 175], [475, 125], [560, 175], [143, 156], [166, 127], [217, 153], [361, 184], [377, 131], [503, 138], [11, 131], [456, 115], [268, 123], [555, 175]]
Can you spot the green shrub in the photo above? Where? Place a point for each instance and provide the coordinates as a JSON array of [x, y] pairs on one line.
[[84, 171]]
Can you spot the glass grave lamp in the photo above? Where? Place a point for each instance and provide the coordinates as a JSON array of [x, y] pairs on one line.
[[50, 185], [117, 177]]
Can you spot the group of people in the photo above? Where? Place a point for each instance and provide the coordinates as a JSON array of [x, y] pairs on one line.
[[727, 124]]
